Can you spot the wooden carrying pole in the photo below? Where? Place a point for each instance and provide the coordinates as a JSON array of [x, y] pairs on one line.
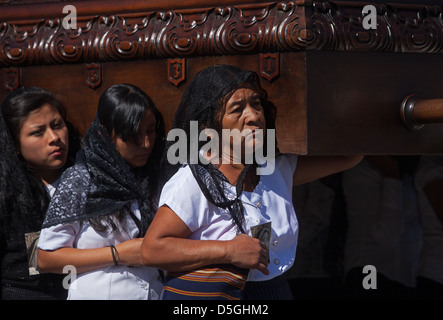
[[416, 112]]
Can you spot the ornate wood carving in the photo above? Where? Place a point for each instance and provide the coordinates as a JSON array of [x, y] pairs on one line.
[[218, 30]]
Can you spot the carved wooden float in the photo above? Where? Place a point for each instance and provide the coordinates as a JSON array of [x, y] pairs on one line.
[[337, 86]]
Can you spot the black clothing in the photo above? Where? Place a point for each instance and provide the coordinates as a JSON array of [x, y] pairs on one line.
[[23, 203], [17, 283]]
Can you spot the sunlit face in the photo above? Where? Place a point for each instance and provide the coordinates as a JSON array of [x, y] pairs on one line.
[[137, 155], [244, 112], [44, 140]]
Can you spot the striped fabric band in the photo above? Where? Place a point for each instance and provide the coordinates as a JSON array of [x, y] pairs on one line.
[[212, 282]]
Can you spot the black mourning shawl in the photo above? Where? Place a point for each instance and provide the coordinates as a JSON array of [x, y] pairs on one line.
[[22, 196], [101, 183], [23, 203]]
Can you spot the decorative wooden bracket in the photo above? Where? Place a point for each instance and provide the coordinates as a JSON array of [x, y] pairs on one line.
[[11, 78], [270, 66], [93, 75], [176, 71]]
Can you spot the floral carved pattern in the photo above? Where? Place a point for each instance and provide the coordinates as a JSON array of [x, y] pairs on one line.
[[230, 30]]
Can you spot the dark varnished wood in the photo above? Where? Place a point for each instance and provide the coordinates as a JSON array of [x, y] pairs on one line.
[[337, 88]]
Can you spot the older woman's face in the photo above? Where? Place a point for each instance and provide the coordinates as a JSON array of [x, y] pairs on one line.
[[244, 112]]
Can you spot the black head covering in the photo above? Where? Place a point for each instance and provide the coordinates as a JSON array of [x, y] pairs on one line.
[[110, 185], [200, 99], [208, 87], [23, 199]]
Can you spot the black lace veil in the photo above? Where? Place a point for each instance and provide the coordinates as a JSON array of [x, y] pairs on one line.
[[23, 197], [19, 201], [111, 185], [202, 102]]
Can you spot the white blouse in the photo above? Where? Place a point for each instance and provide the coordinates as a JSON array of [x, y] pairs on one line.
[[271, 201], [50, 188], [108, 283]]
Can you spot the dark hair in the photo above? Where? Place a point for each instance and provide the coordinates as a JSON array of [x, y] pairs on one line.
[[120, 110], [204, 101], [208, 109], [212, 117], [18, 104], [25, 184]]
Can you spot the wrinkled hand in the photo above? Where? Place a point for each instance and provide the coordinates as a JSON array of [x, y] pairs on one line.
[[247, 252]]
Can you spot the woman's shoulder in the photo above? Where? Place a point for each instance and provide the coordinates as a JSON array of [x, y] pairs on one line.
[[76, 172], [286, 162], [182, 190], [70, 196], [74, 183], [182, 178], [286, 157]]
